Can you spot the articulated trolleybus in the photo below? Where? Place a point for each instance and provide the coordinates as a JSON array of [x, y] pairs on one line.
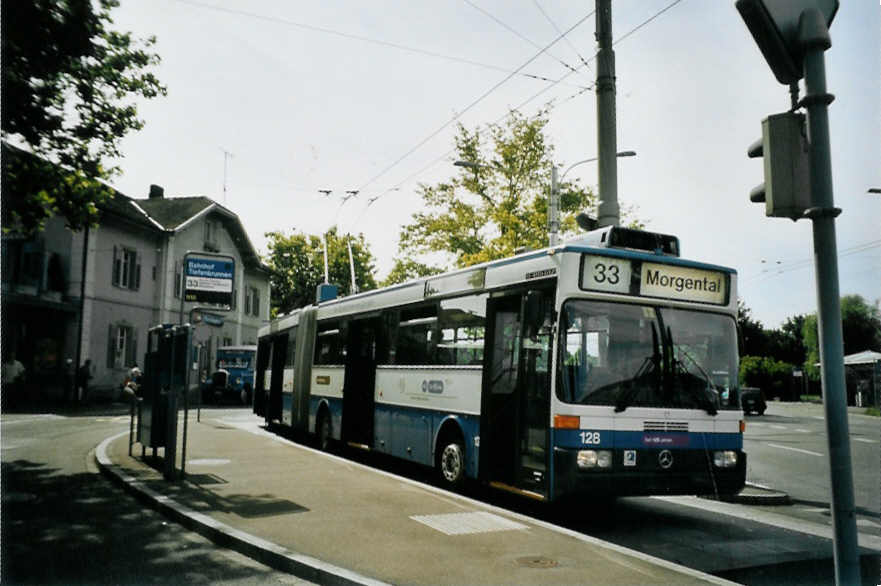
[[602, 366]]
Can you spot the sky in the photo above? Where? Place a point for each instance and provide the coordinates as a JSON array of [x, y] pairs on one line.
[[270, 101]]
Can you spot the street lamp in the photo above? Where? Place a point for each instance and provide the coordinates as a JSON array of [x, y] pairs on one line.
[[554, 204]]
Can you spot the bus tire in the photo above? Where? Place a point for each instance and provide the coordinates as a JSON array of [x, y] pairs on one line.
[[324, 431], [451, 461]]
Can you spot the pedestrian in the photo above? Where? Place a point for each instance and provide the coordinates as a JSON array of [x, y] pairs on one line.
[[13, 380], [83, 375], [69, 379]]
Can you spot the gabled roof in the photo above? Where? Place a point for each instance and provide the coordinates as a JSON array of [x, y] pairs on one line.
[[173, 212]]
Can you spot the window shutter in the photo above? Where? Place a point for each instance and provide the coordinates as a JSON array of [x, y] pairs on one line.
[[137, 275], [115, 278], [111, 346], [132, 349], [256, 301]]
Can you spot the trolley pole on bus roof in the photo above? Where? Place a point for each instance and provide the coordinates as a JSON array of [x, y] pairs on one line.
[[608, 211]]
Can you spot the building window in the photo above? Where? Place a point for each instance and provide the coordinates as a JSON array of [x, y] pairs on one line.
[[122, 346], [227, 341], [211, 228], [252, 301], [126, 268], [177, 280]]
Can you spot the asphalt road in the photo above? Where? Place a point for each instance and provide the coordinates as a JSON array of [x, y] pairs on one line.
[[64, 523], [788, 450]]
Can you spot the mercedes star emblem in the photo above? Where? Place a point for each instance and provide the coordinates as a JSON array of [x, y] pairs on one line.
[[665, 459]]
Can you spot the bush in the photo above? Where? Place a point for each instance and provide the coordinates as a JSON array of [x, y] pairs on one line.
[[774, 377]]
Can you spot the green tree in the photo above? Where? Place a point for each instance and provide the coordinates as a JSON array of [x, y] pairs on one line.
[[774, 377], [69, 90], [296, 262], [786, 343], [752, 333], [491, 210], [861, 330]]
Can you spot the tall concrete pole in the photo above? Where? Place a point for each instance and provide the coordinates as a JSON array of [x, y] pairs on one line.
[[608, 210]]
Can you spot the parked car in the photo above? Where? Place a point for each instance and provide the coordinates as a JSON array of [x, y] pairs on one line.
[[752, 400]]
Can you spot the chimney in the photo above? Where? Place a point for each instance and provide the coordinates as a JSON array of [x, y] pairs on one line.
[[156, 192]]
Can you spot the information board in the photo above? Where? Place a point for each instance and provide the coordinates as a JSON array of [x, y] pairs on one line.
[[209, 280]]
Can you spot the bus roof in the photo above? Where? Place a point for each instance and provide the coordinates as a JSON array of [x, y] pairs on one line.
[[484, 276]]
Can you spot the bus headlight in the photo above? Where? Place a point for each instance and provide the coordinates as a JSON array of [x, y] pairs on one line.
[[594, 459], [725, 459]]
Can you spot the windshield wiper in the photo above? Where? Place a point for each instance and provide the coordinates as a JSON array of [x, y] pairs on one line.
[[703, 397], [650, 363]]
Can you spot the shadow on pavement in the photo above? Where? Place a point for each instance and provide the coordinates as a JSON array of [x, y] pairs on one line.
[[81, 529]]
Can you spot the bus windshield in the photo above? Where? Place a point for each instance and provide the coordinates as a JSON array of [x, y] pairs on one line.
[[646, 356]]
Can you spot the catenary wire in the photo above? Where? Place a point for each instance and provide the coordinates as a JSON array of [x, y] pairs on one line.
[[388, 44], [519, 35], [472, 105], [435, 161], [556, 28]]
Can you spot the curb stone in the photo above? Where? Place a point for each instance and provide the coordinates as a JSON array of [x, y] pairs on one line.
[[265, 552]]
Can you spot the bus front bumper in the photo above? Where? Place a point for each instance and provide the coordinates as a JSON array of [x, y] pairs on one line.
[[648, 472]]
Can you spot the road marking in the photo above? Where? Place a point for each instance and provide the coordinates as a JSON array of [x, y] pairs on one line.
[[820, 417], [864, 440], [779, 427], [803, 430], [799, 450]]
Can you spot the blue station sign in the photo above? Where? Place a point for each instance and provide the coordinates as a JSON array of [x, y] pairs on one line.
[[209, 280]]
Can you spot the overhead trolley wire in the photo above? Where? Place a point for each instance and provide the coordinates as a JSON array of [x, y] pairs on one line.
[[475, 102], [388, 44], [520, 36], [795, 265], [626, 35], [556, 28]]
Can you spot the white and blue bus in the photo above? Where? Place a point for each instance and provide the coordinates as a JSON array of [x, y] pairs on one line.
[[605, 365]]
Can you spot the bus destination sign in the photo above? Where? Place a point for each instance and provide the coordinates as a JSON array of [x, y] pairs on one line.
[[209, 280], [683, 283], [647, 279]]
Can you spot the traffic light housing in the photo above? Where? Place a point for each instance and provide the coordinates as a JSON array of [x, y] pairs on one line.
[[784, 148]]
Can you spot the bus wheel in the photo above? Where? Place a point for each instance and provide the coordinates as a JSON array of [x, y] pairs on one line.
[[451, 462], [324, 432]]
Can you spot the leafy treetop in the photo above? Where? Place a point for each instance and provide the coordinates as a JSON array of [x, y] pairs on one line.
[[69, 84]]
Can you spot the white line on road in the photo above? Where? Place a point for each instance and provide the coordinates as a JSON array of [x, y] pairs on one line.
[[799, 450], [803, 430], [779, 427], [864, 440], [820, 417]]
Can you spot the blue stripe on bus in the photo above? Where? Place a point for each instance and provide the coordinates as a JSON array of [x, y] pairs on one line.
[[398, 428], [608, 439]]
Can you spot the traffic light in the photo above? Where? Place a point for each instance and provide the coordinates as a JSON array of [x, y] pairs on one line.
[[784, 148]]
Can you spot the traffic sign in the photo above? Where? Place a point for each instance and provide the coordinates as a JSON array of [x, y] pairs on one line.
[[774, 25]]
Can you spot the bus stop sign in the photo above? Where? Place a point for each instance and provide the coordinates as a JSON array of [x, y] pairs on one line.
[[209, 280], [774, 26]]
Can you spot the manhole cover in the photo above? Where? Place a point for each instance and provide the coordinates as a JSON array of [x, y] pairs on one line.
[[536, 562]]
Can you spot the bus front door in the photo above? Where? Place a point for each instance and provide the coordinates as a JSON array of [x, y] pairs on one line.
[[515, 401]]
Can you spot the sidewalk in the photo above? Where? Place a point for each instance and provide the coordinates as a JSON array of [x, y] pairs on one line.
[[330, 520]]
